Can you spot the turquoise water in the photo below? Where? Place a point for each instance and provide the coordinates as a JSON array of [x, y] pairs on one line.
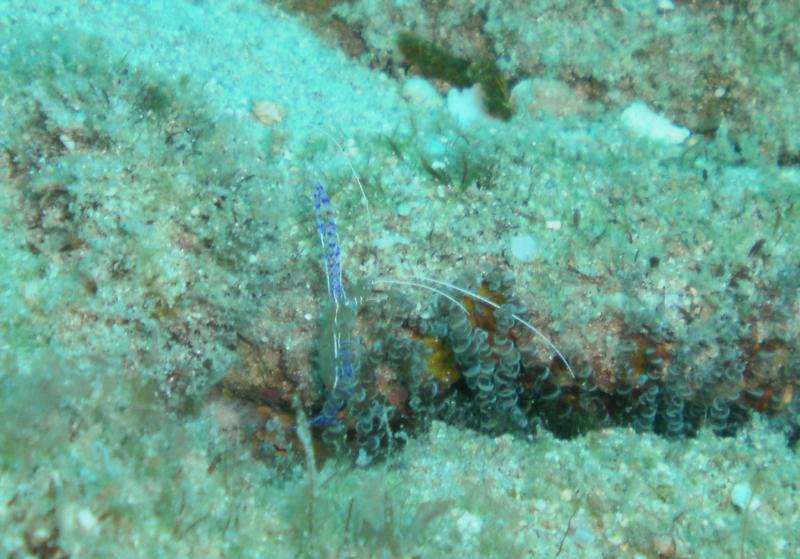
[[549, 308]]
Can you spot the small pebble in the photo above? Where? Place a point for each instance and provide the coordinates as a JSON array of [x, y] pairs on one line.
[[524, 247], [741, 495], [268, 113]]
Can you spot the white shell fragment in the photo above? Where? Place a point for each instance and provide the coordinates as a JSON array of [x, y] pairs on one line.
[[642, 122]]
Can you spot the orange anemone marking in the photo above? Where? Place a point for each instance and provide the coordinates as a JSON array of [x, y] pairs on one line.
[[441, 361]]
